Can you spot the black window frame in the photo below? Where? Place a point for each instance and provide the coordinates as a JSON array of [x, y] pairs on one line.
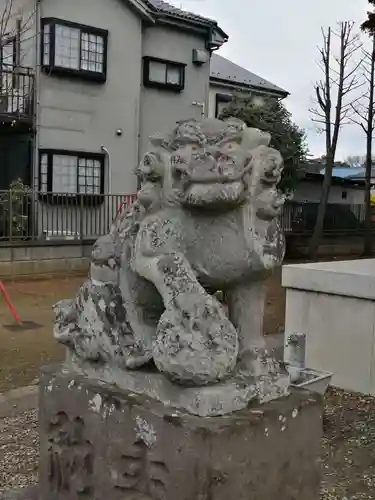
[[66, 198], [52, 68], [163, 86], [220, 98]]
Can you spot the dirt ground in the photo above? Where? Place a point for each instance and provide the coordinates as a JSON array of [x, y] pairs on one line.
[[22, 352]]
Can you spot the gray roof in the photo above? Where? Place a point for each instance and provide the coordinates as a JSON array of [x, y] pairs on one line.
[[223, 69], [169, 9]]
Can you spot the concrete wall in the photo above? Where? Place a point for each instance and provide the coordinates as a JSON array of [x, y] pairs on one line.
[[333, 303], [160, 109], [307, 191], [80, 115], [32, 261]]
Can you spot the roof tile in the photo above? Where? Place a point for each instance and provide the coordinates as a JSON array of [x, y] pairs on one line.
[[224, 69], [167, 8]]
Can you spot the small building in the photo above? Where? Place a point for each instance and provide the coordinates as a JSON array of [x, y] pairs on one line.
[[351, 173], [345, 210], [343, 190], [228, 80]]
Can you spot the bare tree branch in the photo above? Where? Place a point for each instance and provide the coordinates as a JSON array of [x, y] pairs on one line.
[[15, 25]]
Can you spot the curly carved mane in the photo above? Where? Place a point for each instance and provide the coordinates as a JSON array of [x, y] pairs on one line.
[[181, 156]]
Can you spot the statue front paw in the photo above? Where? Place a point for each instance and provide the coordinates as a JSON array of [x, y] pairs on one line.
[[65, 321], [195, 344]]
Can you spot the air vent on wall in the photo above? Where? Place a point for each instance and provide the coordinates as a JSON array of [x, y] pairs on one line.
[[200, 56]]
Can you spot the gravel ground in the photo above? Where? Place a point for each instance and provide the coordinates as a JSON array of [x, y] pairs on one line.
[[18, 451], [348, 447], [348, 457]]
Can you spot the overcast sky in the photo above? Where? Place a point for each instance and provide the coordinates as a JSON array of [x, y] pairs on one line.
[[278, 41]]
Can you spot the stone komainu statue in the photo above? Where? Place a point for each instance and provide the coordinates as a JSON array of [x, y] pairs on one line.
[[205, 219]]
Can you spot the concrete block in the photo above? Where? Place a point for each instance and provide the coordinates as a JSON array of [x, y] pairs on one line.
[[79, 264], [23, 267], [333, 304], [98, 442], [5, 254], [22, 253], [6, 269]]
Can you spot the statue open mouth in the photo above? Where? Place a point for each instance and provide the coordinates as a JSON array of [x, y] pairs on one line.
[[214, 192], [223, 174], [221, 184]]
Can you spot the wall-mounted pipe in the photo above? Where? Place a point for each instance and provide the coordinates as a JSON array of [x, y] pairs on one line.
[[201, 105], [109, 168]]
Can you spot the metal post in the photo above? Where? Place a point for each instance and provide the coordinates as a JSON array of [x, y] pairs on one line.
[[81, 205], [10, 199], [296, 354]]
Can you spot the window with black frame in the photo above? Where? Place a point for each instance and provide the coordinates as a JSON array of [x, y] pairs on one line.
[[222, 101], [74, 49], [159, 73], [71, 173]]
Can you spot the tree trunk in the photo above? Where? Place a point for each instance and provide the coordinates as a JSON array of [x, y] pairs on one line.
[[367, 250], [319, 223]]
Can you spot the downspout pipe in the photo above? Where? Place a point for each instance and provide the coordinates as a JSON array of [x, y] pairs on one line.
[[36, 92], [109, 167]]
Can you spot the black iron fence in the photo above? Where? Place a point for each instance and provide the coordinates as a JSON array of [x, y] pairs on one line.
[[35, 216], [31, 216], [299, 218]]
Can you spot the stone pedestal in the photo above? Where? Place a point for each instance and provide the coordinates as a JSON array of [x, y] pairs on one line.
[[98, 442]]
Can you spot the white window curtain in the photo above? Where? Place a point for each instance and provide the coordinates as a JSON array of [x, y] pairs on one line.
[[67, 47], [64, 174], [75, 49], [157, 72], [71, 174]]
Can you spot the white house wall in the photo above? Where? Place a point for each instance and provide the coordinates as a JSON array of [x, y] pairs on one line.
[[161, 109], [80, 115]]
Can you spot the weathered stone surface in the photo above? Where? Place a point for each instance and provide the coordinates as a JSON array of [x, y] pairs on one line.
[[212, 400], [95, 327], [205, 220], [99, 442]]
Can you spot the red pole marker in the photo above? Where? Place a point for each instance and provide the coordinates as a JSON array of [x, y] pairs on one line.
[[10, 304]]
